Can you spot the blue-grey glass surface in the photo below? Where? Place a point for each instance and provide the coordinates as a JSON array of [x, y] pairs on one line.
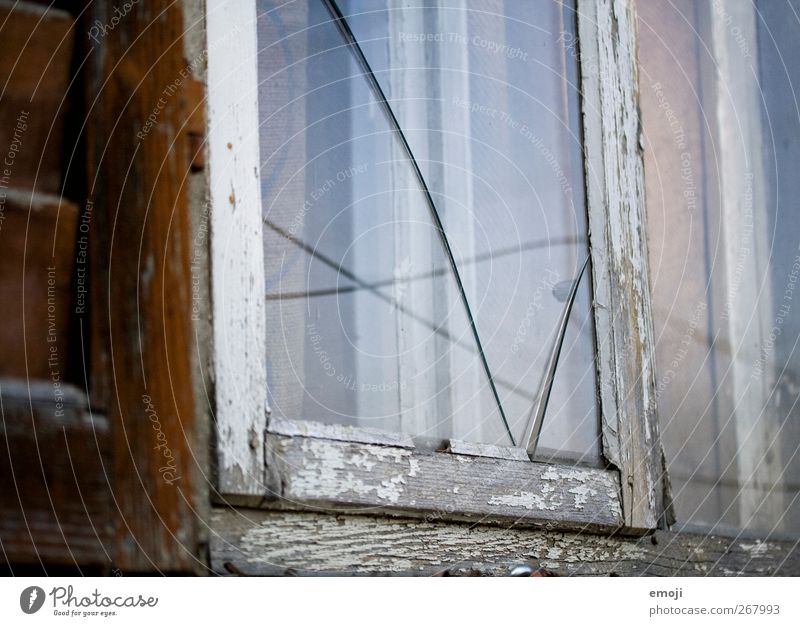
[[721, 129], [365, 323]]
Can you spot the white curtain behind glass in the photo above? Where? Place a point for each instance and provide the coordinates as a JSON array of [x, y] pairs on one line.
[[365, 322], [721, 130]]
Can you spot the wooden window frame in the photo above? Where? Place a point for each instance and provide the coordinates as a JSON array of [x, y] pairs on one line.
[[291, 464]]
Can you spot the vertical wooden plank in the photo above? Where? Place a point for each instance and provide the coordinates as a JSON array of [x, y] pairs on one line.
[[237, 248], [141, 288], [615, 185]]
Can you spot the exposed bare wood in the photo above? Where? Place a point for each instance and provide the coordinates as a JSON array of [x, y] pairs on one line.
[[273, 543], [54, 493], [615, 184], [380, 479], [195, 127], [141, 283]]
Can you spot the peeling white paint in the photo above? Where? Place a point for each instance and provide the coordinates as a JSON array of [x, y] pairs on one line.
[[582, 494], [759, 548], [271, 542], [354, 474], [391, 489], [525, 499], [560, 474], [237, 246], [554, 553], [329, 471], [619, 253]]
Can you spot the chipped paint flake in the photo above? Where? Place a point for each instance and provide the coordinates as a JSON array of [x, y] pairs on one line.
[[526, 500], [391, 489], [759, 548], [582, 494], [554, 553], [331, 471]]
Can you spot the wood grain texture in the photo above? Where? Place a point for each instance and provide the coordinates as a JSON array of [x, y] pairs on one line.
[[34, 75], [55, 504], [140, 283], [269, 543], [335, 475], [615, 185], [237, 246], [37, 254]]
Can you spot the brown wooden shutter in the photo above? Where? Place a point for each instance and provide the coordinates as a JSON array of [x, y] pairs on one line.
[[140, 94]]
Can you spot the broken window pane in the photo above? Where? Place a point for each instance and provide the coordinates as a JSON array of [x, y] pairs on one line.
[[365, 322]]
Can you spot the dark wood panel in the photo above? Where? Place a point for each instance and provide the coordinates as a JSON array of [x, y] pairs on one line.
[[141, 287], [37, 254], [34, 74], [55, 505]]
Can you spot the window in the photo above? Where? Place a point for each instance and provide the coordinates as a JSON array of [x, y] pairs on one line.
[[721, 125], [369, 327], [402, 199]]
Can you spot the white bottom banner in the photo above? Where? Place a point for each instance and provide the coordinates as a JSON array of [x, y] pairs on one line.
[[401, 601]]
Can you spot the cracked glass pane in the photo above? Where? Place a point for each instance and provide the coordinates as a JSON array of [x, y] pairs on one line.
[[365, 320]]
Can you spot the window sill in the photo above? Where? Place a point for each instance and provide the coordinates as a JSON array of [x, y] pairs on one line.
[[335, 469]]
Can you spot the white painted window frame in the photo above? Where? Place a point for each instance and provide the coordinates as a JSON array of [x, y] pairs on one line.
[[283, 463]]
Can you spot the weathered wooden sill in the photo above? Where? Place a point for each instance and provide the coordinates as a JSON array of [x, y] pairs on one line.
[[257, 542], [317, 467]]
